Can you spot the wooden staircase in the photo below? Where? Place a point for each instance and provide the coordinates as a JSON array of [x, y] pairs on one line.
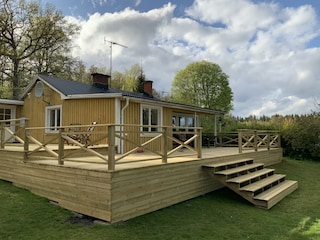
[[259, 185]]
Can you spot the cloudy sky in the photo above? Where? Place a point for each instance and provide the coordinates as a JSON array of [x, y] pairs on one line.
[[269, 49]]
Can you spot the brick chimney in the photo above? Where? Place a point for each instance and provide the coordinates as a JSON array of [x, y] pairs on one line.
[[100, 80], [147, 87]]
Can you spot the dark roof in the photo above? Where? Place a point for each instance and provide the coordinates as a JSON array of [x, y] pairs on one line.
[[72, 88], [68, 87]]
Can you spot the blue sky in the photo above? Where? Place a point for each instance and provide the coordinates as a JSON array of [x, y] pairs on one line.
[[269, 49]]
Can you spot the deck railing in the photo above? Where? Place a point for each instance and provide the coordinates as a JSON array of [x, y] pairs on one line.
[[162, 141], [113, 134], [11, 130], [258, 139]]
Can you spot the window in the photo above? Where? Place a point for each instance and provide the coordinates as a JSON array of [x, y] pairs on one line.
[[53, 118], [150, 116], [5, 113], [184, 120]]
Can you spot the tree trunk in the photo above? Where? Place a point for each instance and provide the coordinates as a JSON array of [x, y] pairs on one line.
[[15, 79]]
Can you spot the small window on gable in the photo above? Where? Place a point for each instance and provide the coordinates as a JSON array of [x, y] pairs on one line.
[[53, 118], [150, 116]]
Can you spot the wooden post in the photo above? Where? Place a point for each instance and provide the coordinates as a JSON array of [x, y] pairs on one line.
[[255, 141], [26, 141], [3, 135], [279, 139], [199, 143], [111, 147], [61, 147], [165, 145], [240, 141], [268, 140]]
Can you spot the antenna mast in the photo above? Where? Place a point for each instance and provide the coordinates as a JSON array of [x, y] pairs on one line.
[[111, 44]]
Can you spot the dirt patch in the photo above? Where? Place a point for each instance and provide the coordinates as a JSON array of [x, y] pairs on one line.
[[81, 219]]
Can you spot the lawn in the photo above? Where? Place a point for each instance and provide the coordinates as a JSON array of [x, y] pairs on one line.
[[218, 215]]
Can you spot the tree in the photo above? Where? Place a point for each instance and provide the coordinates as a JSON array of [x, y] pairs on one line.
[[32, 40], [132, 78], [203, 84], [140, 82]]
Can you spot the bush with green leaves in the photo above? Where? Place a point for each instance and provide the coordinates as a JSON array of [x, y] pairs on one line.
[[301, 139]]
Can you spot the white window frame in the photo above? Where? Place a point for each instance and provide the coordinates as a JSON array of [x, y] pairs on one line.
[[57, 122], [182, 120], [149, 131]]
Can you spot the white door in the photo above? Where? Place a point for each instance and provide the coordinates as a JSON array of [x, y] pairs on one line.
[[8, 112]]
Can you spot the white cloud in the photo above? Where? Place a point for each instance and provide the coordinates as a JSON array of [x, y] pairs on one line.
[[261, 46]]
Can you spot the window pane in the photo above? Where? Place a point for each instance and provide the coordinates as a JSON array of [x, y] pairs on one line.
[[182, 121], [145, 118], [190, 122], [52, 119], [154, 118], [58, 117]]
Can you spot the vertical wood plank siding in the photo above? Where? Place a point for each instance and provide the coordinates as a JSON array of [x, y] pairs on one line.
[[82, 111]]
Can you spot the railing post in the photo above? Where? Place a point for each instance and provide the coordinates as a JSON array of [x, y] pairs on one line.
[[3, 135], [26, 141], [268, 140], [61, 147], [279, 139], [255, 141], [111, 147], [240, 141], [199, 143], [165, 145]]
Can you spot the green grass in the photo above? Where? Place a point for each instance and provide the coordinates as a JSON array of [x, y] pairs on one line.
[[218, 215]]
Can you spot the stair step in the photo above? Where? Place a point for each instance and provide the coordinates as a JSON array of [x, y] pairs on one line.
[[230, 164], [254, 187], [276, 190], [275, 194], [236, 170], [251, 176]]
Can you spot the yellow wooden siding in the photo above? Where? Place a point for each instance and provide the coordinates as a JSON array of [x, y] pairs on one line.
[[86, 111], [74, 111], [34, 110]]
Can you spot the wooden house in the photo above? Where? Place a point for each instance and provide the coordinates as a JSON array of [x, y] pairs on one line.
[[122, 183], [52, 102]]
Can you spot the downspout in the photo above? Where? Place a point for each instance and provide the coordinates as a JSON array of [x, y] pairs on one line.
[[122, 122]]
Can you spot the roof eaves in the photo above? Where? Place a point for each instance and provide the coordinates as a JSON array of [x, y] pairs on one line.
[[176, 105], [11, 102], [96, 95]]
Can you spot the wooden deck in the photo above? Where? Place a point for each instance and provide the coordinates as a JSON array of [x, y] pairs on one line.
[[141, 182]]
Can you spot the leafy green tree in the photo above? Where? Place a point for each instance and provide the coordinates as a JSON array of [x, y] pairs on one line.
[[203, 84], [32, 40], [132, 77]]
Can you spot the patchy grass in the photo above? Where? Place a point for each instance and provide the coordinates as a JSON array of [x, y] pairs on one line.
[[218, 215]]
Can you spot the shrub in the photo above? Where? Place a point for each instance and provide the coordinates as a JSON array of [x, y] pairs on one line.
[[302, 138]]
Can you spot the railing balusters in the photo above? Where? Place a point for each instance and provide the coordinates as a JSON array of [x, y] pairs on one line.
[[258, 139]]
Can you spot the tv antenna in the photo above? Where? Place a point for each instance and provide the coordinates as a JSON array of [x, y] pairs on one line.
[[111, 44]]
